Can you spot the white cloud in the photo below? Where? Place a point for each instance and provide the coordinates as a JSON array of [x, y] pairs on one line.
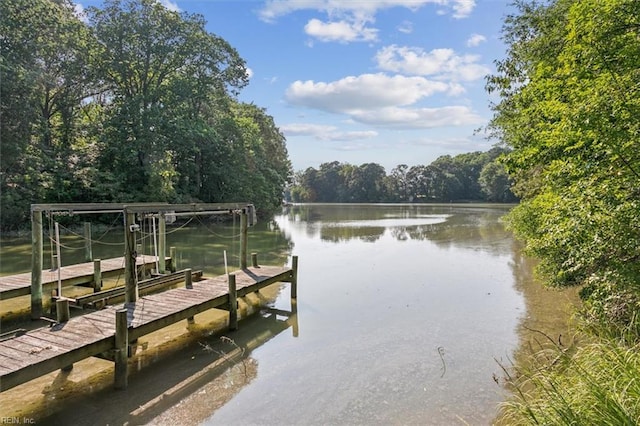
[[475, 40], [276, 8], [439, 63], [382, 100], [80, 13], [249, 72], [463, 8], [348, 20], [406, 27], [419, 118], [341, 31], [364, 91], [170, 5], [325, 133]]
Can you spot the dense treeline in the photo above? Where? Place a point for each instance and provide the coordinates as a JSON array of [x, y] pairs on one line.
[[131, 103], [570, 111], [476, 176]]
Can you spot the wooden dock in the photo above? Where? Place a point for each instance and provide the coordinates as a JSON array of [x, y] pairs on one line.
[[108, 332], [82, 273]]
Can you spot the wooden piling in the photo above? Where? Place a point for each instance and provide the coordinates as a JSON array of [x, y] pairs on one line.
[[188, 283], [87, 242], [130, 254], [62, 310], [36, 264], [294, 318], [244, 238], [120, 351], [233, 303], [63, 315], [97, 274], [162, 243], [294, 277], [254, 260], [174, 259]]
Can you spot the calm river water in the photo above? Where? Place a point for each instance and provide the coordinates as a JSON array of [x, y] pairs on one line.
[[404, 313]]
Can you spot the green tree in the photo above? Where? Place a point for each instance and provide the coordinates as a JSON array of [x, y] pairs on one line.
[[569, 107], [45, 79], [163, 71]]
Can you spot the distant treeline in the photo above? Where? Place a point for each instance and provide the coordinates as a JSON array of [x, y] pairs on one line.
[[131, 102], [476, 176]]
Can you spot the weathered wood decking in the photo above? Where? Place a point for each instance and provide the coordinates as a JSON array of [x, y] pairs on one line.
[[81, 273], [43, 350]]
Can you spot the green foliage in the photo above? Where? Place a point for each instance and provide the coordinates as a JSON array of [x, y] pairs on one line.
[[570, 102], [596, 383], [447, 179], [135, 105]]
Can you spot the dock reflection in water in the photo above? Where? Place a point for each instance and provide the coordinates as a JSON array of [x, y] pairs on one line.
[[194, 381]]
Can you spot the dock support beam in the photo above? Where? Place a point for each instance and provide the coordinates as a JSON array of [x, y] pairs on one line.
[[188, 283], [130, 254], [162, 243], [88, 256], [120, 352], [233, 303], [174, 260], [97, 275], [244, 238], [254, 260], [36, 264], [294, 277], [62, 310]]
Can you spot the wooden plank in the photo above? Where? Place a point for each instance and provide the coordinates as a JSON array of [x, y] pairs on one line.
[[11, 364], [92, 334], [20, 356], [42, 339], [82, 273]]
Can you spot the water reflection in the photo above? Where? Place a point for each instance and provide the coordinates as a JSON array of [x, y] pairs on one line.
[[404, 310], [402, 321], [193, 382], [446, 225]]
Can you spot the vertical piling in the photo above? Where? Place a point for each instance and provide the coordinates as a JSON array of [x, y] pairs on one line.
[[244, 239], [87, 242], [294, 318], [254, 260], [63, 315], [188, 283], [36, 263], [233, 303], [97, 274], [62, 310], [162, 243], [120, 351], [174, 259], [294, 277], [130, 254]]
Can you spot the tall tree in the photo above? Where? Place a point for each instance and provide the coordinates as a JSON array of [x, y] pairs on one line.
[[570, 102], [162, 68], [45, 77]]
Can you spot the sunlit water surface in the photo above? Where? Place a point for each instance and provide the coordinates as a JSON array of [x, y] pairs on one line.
[[404, 315]]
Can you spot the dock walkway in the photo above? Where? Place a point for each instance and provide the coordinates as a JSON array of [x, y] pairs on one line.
[[82, 273], [47, 349]]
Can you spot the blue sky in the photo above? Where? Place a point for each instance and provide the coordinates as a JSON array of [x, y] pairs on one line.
[[358, 81]]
